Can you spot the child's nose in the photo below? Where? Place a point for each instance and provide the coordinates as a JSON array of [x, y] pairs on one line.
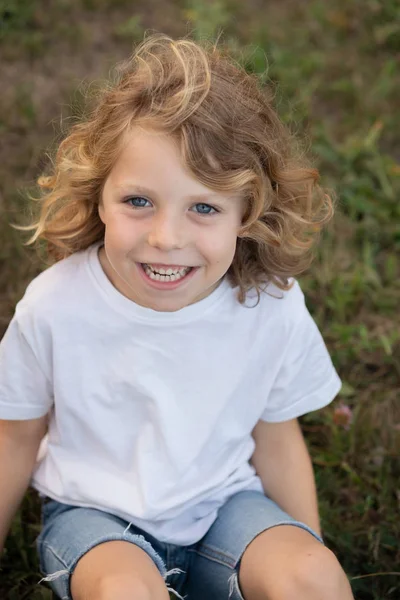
[[166, 233]]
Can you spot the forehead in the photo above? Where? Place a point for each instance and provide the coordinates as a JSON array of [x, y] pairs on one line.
[[150, 161], [152, 156]]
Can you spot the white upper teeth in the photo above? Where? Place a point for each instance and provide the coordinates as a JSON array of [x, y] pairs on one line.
[[169, 271]]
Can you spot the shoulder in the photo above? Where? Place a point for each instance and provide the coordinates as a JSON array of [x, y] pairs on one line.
[[53, 290], [57, 276], [271, 321], [274, 303]]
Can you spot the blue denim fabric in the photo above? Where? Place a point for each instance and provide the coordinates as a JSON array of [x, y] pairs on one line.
[[206, 569]]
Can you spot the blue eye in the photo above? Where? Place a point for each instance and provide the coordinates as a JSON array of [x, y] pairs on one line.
[[140, 202], [132, 201], [208, 209]]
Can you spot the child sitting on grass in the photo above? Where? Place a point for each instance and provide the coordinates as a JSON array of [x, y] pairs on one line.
[[168, 351]]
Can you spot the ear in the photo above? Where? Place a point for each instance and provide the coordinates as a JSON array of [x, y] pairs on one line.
[[242, 231], [100, 208]]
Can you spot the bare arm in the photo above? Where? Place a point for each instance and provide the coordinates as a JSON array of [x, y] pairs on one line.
[[19, 444], [283, 463]]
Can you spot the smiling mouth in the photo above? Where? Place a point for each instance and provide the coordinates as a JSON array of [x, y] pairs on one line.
[[165, 273]]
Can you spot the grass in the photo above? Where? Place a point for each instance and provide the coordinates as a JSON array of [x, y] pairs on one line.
[[336, 75]]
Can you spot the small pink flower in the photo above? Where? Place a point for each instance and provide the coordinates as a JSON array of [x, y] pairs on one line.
[[343, 416]]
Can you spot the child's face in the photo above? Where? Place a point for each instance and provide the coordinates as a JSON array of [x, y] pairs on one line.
[[150, 219]]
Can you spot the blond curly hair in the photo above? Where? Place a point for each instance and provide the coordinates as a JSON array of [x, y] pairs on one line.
[[230, 138]]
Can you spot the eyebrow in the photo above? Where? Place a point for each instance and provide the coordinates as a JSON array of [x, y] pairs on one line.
[[140, 189]]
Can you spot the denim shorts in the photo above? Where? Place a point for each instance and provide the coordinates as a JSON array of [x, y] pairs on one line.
[[206, 569]]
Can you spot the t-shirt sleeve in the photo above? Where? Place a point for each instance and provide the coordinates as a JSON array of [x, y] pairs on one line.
[[306, 379], [25, 389]]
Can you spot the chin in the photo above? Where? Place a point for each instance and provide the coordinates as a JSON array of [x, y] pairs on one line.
[[167, 305], [167, 308]]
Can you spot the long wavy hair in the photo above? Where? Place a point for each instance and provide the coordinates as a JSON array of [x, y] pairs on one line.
[[230, 138]]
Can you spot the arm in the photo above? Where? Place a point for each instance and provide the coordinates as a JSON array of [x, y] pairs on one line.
[[284, 466], [19, 444]]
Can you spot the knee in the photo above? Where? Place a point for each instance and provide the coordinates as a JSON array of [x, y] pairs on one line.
[[129, 588], [315, 575]]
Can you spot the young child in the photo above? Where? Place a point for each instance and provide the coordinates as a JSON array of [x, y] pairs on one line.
[[168, 352]]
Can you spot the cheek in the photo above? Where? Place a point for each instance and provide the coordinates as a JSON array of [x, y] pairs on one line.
[[123, 230], [219, 246]]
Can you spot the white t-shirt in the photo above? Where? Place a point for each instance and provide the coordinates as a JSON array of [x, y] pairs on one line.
[[151, 412]]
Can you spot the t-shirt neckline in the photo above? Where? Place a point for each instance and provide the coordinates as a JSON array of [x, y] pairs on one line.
[[136, 311]]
